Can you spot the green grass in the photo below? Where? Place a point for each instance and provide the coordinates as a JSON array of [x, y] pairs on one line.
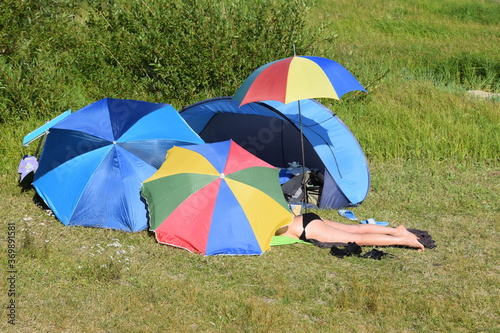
[[80, 279], [433, 152]]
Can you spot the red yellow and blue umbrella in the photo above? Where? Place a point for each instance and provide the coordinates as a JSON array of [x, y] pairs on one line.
[[295, 78], [215, 199]]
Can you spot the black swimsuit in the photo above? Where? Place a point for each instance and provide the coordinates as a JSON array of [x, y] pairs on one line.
[[306, 219]]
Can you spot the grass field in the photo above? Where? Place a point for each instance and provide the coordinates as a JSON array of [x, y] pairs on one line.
[[434, 155], [94, 280]]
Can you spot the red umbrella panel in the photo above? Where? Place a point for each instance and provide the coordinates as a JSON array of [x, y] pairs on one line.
[[295, 78], [216, 199]]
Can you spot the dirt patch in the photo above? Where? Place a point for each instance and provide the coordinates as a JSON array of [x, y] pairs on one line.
[[484, 94]]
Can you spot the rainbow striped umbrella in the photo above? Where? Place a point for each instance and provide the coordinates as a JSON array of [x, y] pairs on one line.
[[295, 78], [215, 199]]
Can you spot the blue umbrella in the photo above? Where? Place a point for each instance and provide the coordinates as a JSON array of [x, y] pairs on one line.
[[94, 161]]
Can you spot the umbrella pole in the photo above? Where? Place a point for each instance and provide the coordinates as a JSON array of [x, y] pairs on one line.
[[304, 185], [40, 143]]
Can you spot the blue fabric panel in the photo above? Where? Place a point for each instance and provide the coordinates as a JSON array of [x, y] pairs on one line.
[[342, 80], [215, 153], [165, 123], [111, 198], [230, 231], [63, 145], [125, 113], [133, 172], [347, 164], [151, 151], [108, 118], [335, 144], [103, 200], [332, 195], [198, 121], [199, 114], [61, 187], [92, 119]]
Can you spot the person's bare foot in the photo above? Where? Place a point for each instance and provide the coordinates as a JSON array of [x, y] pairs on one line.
[[413, 242], [401, 231]]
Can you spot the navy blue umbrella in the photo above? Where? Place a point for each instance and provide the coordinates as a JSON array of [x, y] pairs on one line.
[[94, 161]]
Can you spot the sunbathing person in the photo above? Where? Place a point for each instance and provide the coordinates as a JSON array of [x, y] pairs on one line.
[[310, 226]]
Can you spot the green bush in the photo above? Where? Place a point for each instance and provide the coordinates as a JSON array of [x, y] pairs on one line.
[[57, 55]]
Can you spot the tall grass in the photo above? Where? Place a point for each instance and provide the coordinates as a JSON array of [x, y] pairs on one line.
[[416, 61], [416, 119]]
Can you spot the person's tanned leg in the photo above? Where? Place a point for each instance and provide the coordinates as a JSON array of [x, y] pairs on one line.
[[324, 232]]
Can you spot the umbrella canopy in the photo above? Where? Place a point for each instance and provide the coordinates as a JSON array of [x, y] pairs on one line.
[[93, 161], [295, 78], [216, 199]]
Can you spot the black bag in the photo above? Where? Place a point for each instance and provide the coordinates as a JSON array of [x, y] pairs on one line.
[[293, 189]]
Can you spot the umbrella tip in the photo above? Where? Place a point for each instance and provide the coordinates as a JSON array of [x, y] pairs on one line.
[[294, 53]]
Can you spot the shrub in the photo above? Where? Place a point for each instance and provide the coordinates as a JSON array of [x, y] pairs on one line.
[[62, 55]]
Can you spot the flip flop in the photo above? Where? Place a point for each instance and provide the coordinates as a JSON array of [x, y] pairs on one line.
[[347, 214], [372, 221]]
